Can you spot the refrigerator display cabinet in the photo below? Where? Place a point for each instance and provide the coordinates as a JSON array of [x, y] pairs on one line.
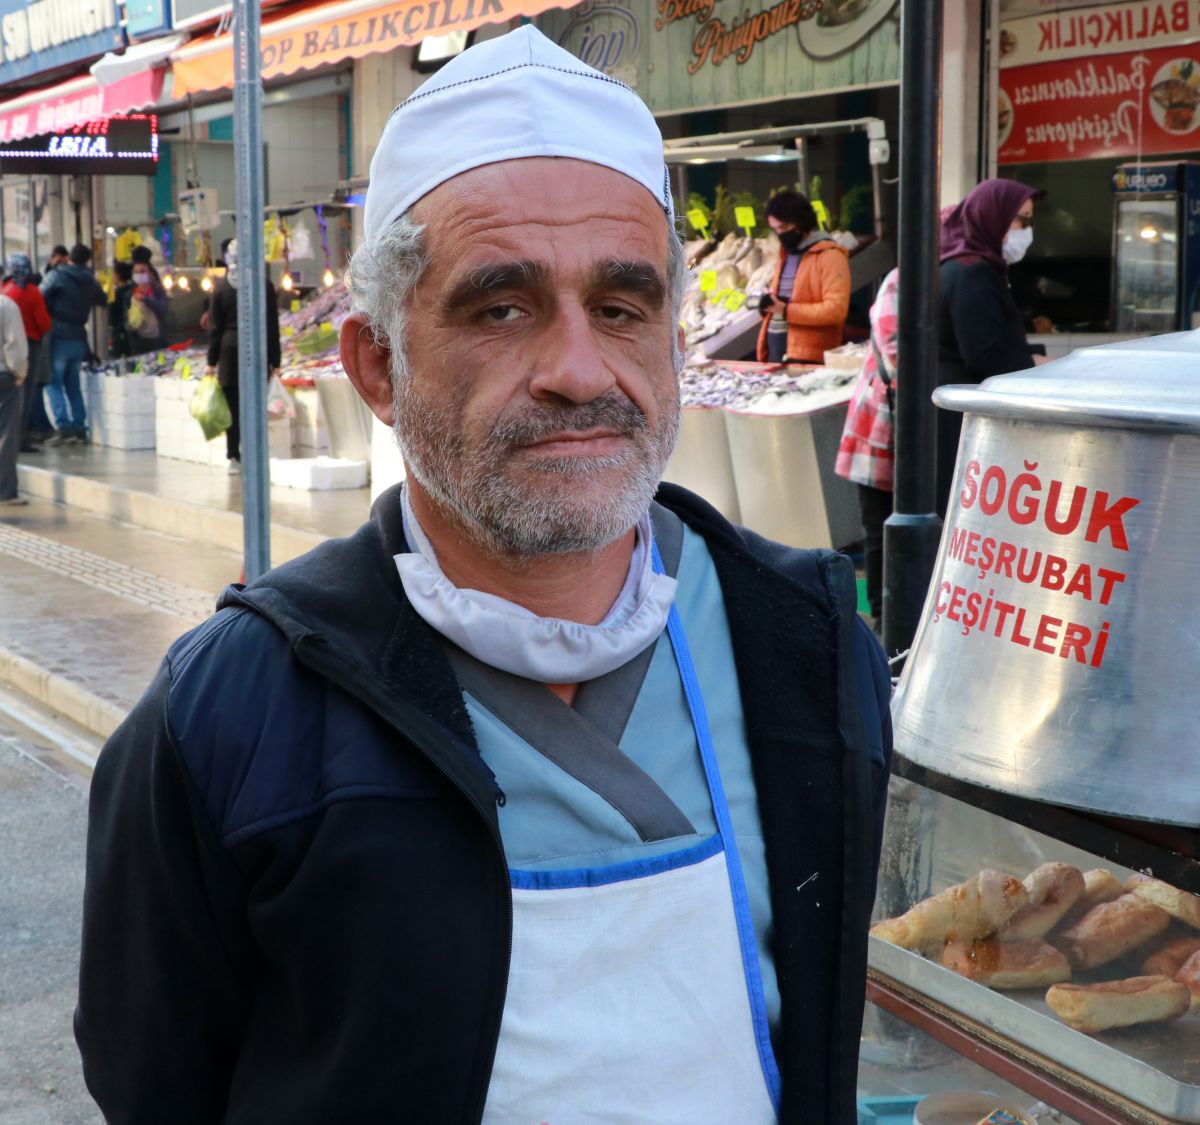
[[1156, 247], [1049, 712]]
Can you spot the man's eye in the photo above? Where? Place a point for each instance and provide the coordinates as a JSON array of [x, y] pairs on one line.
[[502, 312], [615, 313]]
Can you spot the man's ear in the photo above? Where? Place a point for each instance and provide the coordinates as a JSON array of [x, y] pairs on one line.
[[368, 364]]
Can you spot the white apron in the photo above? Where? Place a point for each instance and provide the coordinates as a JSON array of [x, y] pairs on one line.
[[634, 992]]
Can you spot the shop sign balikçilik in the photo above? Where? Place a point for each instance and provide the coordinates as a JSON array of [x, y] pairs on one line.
[[1113, 81], [320, 37], [47, 34], [695, 54]]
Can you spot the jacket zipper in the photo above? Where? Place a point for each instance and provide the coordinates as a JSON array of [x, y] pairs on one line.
[[303, 647]]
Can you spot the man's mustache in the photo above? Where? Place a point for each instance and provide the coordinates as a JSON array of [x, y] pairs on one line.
[[609, 412]]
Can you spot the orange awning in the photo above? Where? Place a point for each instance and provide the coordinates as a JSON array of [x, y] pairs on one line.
[[332, 33]]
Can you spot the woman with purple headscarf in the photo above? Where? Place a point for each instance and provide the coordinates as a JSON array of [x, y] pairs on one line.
[[981, 332]]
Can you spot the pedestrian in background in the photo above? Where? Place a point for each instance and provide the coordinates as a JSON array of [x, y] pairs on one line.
[[223, 346], [58, 256], [810, 294], [20, 288], [71, 292], [980, 331], [118, 309], [867, 453], [14, 364], [146, 309]]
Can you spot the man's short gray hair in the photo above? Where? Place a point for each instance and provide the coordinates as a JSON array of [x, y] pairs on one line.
[[382, 274]]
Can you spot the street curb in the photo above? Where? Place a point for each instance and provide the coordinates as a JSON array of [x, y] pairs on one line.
[[180, 518], [61, 694]]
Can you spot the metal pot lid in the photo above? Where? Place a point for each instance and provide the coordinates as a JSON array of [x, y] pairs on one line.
[[1148, 384], [1058, 654]]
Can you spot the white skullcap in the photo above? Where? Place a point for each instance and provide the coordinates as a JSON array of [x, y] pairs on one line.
[[515, 96]]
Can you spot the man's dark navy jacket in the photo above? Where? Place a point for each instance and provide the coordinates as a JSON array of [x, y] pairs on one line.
[[297, 907]]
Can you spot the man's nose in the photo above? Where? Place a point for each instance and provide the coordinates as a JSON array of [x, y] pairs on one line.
[[569, 363]]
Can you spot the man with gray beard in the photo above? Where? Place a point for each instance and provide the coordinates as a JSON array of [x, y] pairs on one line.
[[549, 795]]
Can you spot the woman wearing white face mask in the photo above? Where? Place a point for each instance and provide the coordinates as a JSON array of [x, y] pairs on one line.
[[146, 311], [980, 332]]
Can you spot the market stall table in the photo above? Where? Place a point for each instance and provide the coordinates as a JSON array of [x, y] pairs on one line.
[[759, 440]]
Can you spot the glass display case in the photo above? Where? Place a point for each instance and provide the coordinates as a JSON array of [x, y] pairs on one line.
[[980, 967], [1146, 264]]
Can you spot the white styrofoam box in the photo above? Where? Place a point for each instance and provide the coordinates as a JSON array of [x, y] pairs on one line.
[[121, 439], [129, 427], [309, 432], [178, 434], [279, 437], [121, 409], [318, 474], [173, 388]]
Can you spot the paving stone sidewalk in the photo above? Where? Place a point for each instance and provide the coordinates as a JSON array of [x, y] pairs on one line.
[[42, 824], [89, 606]]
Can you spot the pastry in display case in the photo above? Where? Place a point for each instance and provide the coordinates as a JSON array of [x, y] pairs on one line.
[[1093, 966]]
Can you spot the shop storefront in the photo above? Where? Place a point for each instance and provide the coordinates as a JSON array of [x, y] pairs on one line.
[[1100, 108], [39, 210], [707, 70], [332, 73]]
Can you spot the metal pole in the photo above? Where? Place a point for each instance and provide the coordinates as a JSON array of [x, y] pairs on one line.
[[802, 165], [252, 286], [877, 198], [910, 536]]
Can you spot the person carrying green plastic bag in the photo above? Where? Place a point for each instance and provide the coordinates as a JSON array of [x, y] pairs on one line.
[[210, 407]]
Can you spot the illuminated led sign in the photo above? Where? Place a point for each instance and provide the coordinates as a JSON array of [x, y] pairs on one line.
[[114, 146]]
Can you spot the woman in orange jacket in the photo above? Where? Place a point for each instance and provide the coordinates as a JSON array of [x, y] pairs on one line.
[[810, 294]]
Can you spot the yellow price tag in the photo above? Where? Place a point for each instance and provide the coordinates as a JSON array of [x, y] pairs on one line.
[[327, 326], [745, 218], [185, 369], [699, 221], [735, 300], [289, 331], [719, 295], [708, 281], [822, 213], [295, 305]]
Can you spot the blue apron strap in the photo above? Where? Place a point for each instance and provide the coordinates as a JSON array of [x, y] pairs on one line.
[[733, 863]]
